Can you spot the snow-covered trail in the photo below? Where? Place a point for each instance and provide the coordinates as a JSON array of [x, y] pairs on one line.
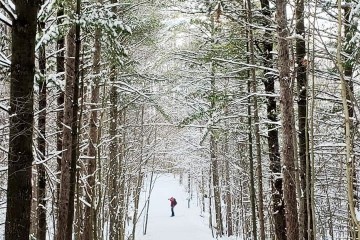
[[187, 223]]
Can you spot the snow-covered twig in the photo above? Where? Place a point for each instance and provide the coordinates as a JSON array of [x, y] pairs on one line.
[[5, 20], [8, 9], [4, 60]]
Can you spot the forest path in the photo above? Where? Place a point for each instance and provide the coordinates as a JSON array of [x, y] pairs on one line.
[[187, 223]]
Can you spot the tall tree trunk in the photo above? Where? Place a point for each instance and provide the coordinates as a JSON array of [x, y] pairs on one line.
[[213, 140], [151, 183], [140, 176], [250, 151], [228, 194], [121, 192], [210, 203], [99, 191], [60, 68], [256, 123], [349, 31], [243, 216], [215, 167], [41, 189], [251, 169], [20, 155], [229, 215], [64, 196], [146, 216], [113, 151], [93, 138], [216, 186], [70, 134], [305, 214], [83, 120], [311, 135], [202, 191], [286, 100], [349, 161], [278, 207], [74, 123]]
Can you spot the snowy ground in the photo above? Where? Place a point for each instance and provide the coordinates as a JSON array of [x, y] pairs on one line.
[[187, 223]]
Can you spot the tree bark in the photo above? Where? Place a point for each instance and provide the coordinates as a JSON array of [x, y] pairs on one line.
[[151, 183], [70, 134], [93, 138], [74, 123], [64, 196], [216, 186], [251, 169], [213, 140], [252, 191], [349, 30], [278, 208], [228, 194], [99, 191], [20, 155], [350, 170], [113, 151], [140, 176], [256, 126], [214, 164], [306, 217], [286, 100], [122, 169], [41, 189], [210, 203], [60, 68]]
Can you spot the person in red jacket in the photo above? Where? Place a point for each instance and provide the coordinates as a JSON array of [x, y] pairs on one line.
[[172, 205]]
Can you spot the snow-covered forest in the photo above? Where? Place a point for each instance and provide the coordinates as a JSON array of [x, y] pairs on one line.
[[251, 106]]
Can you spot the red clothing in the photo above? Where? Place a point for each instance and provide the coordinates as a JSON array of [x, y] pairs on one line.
[[172, 202]]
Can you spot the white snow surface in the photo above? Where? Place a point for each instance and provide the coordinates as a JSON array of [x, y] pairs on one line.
[[187, 223]]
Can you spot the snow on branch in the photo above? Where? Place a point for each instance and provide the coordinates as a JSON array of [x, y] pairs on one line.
[[4, 61], [83, 200], [295, 36], [5, 20], [9, 9], [46, 8], [11, 5], [5, 151], [129, 88], [244, 64], [5, 108], [51, 33]]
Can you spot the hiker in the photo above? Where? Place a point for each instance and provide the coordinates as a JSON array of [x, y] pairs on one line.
[[172, 205]]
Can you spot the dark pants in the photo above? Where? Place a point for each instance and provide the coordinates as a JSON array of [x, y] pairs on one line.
[[172, 212]]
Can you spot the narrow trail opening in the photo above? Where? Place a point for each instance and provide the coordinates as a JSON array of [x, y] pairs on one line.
[[187, 223]]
